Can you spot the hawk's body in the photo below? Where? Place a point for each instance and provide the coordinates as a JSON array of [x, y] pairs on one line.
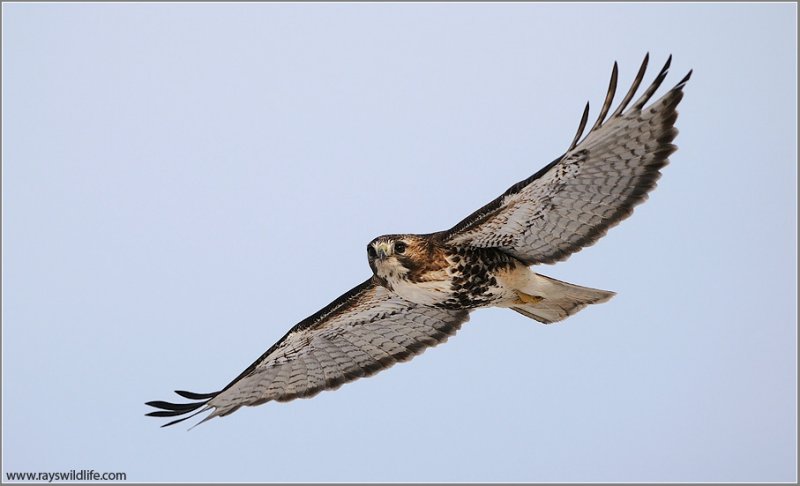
[[431, 273], [448, 277], [424, 286]]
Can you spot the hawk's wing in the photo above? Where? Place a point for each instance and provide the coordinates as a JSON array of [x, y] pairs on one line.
[[574, 200], [364, 331]]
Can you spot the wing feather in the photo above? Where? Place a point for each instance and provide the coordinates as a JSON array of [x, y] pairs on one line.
[[612, 88], [581, 126], [363, 332], [575, 199]]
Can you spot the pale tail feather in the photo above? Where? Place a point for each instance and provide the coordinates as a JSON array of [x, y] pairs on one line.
[[558, 300]]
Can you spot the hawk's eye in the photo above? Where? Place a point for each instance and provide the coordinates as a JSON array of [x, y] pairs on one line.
[[399, 247], [371, 251]]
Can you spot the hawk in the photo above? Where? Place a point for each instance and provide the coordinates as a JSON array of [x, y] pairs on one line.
[[423, 287]]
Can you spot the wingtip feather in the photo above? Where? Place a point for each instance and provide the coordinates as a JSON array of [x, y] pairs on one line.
[[612, 89], [196, 396], [650, 91], [634, 87], [685, 80], [581, 127]]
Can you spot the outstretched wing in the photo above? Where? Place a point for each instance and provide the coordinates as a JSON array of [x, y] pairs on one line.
[[364, 331], [574, 200]]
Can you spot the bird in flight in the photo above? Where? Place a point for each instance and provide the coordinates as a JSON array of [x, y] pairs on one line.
[[423, 287]]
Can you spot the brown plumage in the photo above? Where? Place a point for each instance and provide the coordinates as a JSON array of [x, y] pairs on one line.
[[423, 256], [424, 286]]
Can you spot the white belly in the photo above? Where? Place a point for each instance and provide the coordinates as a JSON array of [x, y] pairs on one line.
[[424, 293]]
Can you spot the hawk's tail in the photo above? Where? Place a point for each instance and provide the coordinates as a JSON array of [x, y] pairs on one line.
[[549, 300]]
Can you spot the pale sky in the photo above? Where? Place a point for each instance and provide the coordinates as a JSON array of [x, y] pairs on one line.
[[182, 183]]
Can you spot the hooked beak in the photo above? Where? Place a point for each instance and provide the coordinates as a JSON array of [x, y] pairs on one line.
[[383, 250]]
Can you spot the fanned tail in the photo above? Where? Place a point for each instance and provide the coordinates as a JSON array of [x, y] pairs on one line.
[[548, 300]]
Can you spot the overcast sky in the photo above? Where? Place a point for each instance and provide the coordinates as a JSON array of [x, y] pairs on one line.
[[184, 182]]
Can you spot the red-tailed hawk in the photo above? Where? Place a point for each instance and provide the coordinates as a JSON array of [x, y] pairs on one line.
[[423, 287]]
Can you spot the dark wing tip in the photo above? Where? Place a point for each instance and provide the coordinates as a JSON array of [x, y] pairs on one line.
[[177, 421], [172, 406], [638, 105], [685, 80], [650, 91], [169, 409], [612, 89], [635, 86], [196, 396], [581, 127]]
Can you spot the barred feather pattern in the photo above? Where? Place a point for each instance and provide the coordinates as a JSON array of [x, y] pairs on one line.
[[573, 201], [365, 331]]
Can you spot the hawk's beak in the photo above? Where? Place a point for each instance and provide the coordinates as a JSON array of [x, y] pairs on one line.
[[383, 250]]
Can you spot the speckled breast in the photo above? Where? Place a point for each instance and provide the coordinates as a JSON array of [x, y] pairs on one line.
[[474, 277]]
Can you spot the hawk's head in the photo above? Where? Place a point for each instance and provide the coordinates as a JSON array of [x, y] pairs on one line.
[[401, 257]]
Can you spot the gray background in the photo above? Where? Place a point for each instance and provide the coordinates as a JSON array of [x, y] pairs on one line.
[[183, 183]]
